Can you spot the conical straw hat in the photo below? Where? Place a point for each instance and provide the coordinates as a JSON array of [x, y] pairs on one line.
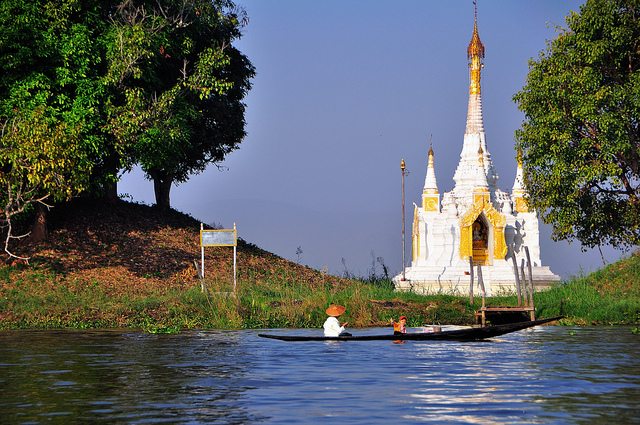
[[335, 310]]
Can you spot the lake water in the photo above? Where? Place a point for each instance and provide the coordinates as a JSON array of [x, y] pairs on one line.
[[547, 375]]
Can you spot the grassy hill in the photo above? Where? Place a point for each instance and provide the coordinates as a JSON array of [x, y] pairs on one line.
[[130, 265], [610, 295], [132, 247]]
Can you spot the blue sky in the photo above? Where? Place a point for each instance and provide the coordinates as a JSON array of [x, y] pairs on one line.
[[344, 90]]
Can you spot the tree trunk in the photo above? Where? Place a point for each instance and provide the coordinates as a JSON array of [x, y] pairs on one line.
[[162, 187], [39, 230], [107, 178], [111, 192]]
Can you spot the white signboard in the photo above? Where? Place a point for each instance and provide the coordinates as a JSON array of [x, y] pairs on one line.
[[219, 237], [222, 237]]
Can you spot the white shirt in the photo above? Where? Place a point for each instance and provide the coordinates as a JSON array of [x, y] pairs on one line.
[[332, 327]]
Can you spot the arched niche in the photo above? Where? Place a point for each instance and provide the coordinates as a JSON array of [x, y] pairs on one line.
[[485, 215], [480, 241]]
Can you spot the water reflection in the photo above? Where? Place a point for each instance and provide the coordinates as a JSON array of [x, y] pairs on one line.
[[546, 375], [531, 377], [123, 377]]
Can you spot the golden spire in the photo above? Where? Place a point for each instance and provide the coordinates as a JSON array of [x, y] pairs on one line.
[[475, 54], [519, 157]]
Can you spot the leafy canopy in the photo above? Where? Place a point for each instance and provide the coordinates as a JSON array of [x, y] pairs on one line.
[[90, 88], [50, 96], [182, 84], [580, 140]]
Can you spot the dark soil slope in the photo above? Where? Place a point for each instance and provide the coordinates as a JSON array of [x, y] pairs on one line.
[[127, 245]]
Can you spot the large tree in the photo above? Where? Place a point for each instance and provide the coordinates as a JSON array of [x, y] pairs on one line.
[[51, 93], [181, 83], [580, 140], [90, 88]]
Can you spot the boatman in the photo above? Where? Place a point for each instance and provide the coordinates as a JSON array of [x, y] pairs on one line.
[[399, 327], [332, 327]]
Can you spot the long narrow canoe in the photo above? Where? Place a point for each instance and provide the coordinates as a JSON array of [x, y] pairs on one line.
[[466, 334]]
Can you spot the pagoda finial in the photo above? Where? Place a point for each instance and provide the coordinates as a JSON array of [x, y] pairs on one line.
[[475, 54], [518, 187], [475, 11], [430, 184], [519, 157], [518, 192]]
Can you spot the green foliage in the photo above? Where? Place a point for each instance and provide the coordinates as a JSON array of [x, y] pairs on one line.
[[50, 97], [42, 155], [181, 83], [91, 88], [580, 141]]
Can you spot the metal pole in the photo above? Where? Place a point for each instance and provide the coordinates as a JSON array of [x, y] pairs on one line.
[[471, 280], [202, 251], [515, 272], [525, 286], [402, 168], [234, 258], [481, 283], [484, 294], [531, 288]]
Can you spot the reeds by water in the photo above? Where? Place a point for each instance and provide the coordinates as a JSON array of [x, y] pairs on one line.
[[42, 299]]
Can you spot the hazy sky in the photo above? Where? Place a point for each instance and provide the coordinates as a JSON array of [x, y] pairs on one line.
[[344, 90]]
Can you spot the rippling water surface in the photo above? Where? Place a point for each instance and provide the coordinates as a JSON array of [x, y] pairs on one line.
[[546, 375]]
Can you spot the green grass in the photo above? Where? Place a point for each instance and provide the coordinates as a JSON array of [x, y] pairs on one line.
[[45, 300], [609, 296]]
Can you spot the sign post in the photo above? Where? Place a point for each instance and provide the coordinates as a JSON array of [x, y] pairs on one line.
[[219, 237]]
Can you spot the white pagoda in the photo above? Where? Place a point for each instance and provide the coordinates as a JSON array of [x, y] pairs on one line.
[[475, 219]]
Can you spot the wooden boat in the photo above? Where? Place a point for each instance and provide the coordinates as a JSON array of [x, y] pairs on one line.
[[466, 334]]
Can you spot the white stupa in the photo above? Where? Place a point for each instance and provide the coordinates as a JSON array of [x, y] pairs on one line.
[[475, 219]]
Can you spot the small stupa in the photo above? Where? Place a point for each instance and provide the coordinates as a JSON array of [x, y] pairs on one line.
[[476, 219]]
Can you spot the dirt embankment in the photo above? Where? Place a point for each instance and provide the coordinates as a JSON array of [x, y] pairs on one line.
[[129, 247]]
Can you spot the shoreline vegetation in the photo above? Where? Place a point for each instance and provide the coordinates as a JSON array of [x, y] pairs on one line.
[[126, 265]]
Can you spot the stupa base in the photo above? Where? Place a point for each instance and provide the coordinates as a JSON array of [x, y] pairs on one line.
[[455, 280]]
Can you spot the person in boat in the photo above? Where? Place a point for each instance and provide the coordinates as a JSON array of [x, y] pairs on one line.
[[399, 327], [332, 327]]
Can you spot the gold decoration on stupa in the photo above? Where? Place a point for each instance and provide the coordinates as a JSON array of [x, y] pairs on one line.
[[430, 195], [475, 223], [519, 157], [475, 54]]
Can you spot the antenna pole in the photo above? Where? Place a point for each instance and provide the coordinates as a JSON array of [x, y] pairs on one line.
[[402, 169]]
